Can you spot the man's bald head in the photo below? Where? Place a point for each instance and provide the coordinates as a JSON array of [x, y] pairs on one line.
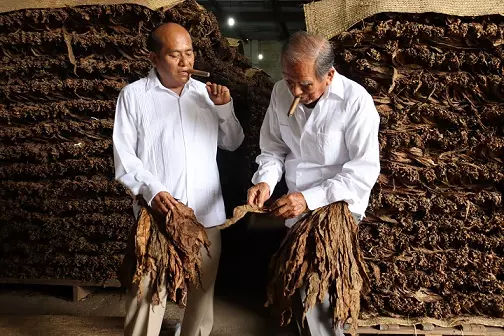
[[171, 53], [163, 34]]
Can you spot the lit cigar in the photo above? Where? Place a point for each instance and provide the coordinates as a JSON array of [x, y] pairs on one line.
[[199, 73], [294, 104]]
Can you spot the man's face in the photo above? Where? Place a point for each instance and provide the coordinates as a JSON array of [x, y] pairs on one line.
[[175, 58], [303, 82]]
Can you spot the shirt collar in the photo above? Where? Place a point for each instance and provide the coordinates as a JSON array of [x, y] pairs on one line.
[[336, 86], [153, 82]]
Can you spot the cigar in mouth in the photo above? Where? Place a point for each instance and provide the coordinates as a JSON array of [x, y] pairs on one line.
[[294, 104], [199, 73]]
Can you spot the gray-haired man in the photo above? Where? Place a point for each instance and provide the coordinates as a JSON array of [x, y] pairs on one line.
[[328, 148]]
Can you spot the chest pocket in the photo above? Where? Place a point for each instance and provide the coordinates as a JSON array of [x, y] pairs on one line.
[[331, 147]]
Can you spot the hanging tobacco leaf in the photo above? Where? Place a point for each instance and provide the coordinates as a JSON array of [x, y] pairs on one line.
[[320, 253], [169, 252]]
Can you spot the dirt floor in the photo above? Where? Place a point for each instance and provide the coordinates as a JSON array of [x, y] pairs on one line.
[[50, 311]]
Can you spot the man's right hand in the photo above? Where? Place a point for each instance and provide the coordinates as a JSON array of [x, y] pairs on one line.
[[162, 202], [258, 194]]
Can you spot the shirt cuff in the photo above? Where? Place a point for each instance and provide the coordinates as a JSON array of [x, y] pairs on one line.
[[225, 111], [151, 192], [269, 180], [315, 197]]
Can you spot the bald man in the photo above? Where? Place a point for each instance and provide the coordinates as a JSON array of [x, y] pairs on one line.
[[166, 133], [328, 148]]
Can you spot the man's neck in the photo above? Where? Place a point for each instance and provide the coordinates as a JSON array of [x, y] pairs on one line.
[[313, 103], [176, 90]]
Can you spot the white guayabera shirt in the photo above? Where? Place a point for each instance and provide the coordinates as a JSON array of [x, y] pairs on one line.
[[166, 142], [330, 153]]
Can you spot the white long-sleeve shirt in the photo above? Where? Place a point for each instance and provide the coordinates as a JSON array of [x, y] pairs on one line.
[[166, 142], [329, 154]]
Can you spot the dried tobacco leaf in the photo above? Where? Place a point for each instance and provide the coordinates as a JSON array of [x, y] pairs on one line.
[[239, 212], [169, 251], [320, 252]]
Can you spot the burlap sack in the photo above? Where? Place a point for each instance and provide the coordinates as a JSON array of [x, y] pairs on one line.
[[331, 17], [12, 5]]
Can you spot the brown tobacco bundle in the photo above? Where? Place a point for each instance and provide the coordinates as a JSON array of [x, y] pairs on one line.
[[435, 216], [169, 253], [320, 253]]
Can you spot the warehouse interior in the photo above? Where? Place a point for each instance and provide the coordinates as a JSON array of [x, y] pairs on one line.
[[432, 240]]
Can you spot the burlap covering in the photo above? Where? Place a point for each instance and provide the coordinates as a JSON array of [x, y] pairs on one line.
[[12, 5], [445, 323], [331, 17]]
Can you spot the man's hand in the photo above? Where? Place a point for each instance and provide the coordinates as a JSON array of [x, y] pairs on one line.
[[289, 206], [219, 94], [258, 194], [162, 202]]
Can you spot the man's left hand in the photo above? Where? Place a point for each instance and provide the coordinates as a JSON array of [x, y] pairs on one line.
[[219, 94], [289, 206]]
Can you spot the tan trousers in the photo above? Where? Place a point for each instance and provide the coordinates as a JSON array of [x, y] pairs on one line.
[[145, 319]]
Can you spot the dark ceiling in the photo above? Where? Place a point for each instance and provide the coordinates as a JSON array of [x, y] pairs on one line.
[[258, 20]]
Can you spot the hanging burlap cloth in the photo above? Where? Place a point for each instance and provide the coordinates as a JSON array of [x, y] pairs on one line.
[[12, 5], [331, 17]]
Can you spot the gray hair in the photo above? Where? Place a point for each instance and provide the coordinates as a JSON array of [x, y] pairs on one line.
[[302, 46]]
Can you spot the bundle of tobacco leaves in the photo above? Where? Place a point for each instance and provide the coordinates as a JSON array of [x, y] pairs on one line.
[[63, 215], [435, 223], [320, 254], [168, 252]]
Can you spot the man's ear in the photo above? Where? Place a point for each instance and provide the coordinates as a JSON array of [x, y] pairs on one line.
[[153, 58], [330, 76]]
